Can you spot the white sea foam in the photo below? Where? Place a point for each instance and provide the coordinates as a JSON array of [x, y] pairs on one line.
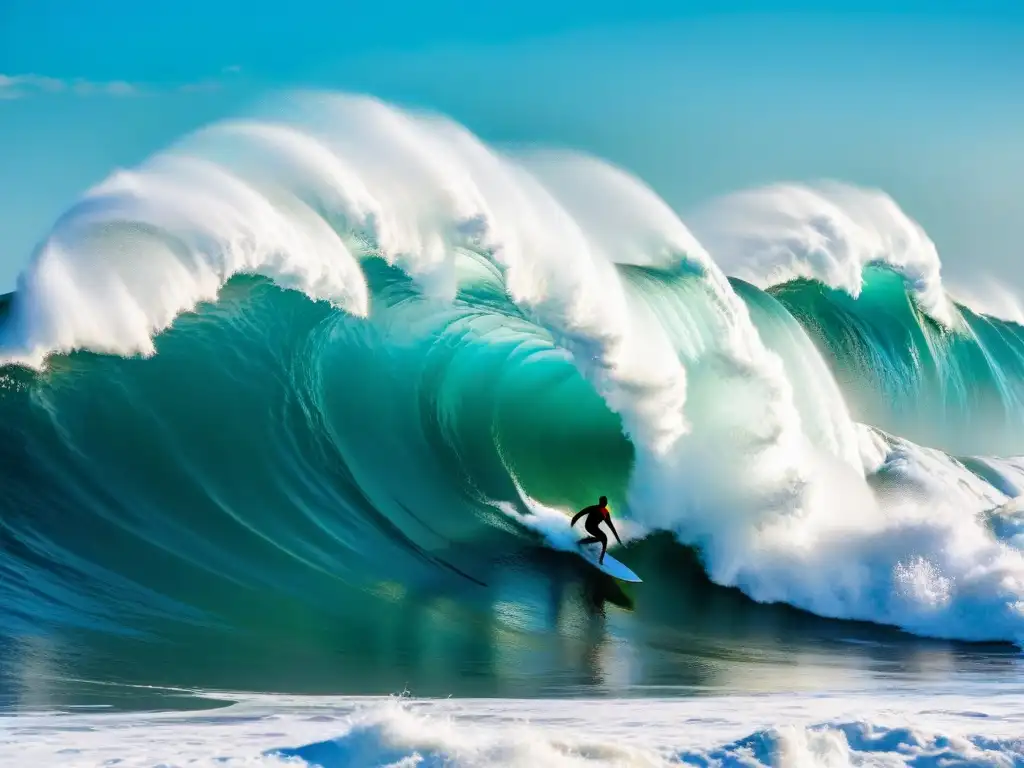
[[828, 232], [777, 730], [149, 244]]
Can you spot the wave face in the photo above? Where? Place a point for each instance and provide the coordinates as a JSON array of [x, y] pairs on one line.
[[956, 389], [343, 347]]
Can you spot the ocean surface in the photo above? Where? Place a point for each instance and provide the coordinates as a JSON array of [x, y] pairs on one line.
[[294, 414]]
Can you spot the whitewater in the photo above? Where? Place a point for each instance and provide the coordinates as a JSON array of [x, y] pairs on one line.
[[334, 374], [899, 729]]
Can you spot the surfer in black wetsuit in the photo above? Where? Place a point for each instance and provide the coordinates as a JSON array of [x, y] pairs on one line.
[[595, 514]]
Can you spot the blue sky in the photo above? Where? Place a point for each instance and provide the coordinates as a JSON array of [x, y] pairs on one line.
[[923, 99]]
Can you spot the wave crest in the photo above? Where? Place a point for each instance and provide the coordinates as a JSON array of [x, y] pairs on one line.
[[829, 232]]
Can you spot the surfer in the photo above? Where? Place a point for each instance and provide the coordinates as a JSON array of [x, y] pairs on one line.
[[595, 514]]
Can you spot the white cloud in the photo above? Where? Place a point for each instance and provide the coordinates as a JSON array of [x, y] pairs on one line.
[[19, 86], [7, 89], [114, 88]]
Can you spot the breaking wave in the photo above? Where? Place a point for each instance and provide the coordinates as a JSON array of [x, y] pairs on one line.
[[341, 344]]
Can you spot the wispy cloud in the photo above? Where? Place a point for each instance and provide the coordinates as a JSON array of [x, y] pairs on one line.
[[20, 86], [17, 86]]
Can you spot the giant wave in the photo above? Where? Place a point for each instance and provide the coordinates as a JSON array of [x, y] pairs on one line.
[[339, 342]]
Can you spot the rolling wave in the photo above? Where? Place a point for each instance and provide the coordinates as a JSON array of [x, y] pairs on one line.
[[343, 346], [959, 390]]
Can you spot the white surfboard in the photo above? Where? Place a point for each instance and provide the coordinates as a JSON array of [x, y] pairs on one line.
[[611, 566]]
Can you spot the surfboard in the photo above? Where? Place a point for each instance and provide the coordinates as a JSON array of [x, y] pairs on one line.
[[611, 566]]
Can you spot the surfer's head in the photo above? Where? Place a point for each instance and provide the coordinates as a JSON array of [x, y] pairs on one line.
[[603, 501]]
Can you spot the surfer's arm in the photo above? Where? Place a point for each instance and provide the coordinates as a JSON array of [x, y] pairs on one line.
[[577, 516], [612, 526]]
